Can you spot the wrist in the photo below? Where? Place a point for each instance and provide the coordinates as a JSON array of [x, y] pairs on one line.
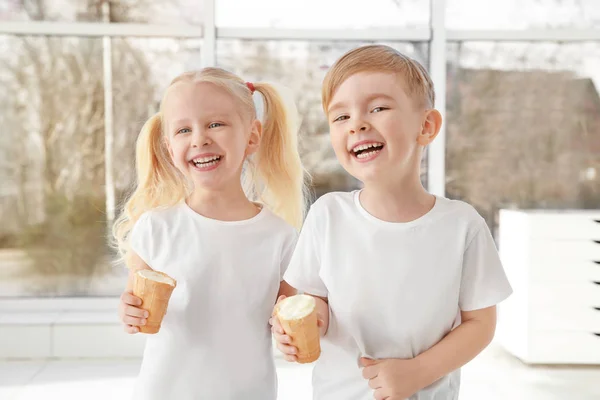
[[427, 370]]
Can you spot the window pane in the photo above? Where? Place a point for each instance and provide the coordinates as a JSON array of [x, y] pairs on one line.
[[139, 11], [322, 14], [301, 67], [523, 125], [52, 199], [522, 14]]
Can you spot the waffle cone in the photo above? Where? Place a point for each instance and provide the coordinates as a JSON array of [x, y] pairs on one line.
[[305, 335], [155, 299]]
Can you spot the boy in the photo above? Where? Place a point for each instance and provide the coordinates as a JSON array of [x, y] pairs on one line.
[[406, 282]]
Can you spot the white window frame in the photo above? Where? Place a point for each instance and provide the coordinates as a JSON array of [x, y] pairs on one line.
[[436, 35]]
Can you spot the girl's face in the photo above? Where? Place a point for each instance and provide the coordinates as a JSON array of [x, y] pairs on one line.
[[208, 134]]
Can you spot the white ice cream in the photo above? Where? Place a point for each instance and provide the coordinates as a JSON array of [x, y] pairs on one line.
[[155, 276], [296, 307]]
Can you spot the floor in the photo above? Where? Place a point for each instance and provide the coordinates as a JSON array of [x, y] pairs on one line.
[[494, 375]]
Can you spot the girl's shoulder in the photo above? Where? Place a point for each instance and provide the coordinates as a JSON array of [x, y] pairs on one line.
[[160, 216]]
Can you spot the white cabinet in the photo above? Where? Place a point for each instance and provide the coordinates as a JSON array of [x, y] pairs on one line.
[[552, 259]]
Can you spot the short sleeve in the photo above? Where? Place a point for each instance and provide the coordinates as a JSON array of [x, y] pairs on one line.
[[484, 282], [141, 240], [288, 251], [303, 272]]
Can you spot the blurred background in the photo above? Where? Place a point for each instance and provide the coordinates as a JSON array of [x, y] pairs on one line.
[[517, 82]]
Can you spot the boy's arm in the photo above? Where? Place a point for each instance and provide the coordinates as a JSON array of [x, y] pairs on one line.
[[405, 377], [460, 346]]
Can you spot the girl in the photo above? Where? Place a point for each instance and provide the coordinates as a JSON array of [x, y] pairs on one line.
[[200, 162]]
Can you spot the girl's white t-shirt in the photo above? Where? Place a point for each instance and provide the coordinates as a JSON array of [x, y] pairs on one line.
[[215, 341], [394, 289]]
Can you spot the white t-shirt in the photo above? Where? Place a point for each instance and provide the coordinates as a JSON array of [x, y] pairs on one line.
[[215, 340], [394, 289]]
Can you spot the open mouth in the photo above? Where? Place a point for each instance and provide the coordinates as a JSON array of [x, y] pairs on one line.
[[367, 150], [206, 162]]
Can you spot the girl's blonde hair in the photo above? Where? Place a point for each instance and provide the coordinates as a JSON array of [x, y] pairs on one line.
[[380, 58], [274, 175]]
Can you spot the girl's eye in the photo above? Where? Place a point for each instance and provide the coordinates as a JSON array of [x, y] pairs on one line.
[[215, 125], [184, 130], [341, 118], [379, 109]]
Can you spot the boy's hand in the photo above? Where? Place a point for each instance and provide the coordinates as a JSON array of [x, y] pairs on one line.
[[284, 341], [393, 378], [130, 314]]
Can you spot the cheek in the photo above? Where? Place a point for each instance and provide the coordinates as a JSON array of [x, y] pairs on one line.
[[176, 152], [338, 140]]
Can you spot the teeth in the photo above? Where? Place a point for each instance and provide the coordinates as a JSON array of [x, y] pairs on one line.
[[205, 159], [205, 165], [367, 154], [366, 146]]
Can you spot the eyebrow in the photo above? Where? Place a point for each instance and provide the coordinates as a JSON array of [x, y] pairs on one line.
[[372, 97], [187, 121], [179, 122]]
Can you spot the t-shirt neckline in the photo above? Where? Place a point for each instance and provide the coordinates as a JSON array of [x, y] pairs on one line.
[[398, 225], [263, 211]]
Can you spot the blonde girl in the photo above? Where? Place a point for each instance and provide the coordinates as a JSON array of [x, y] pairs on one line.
[[218, 202]]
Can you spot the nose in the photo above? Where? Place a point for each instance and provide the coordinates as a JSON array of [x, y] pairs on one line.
[[359, 126], [201, 139]]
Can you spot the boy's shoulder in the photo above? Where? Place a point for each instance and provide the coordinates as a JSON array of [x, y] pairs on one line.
[[457, 213], [458, 208]]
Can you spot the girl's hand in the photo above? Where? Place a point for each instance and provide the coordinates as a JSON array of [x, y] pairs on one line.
[[130, 314]]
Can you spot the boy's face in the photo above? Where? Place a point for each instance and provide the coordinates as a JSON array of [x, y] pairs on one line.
[[377, 131]]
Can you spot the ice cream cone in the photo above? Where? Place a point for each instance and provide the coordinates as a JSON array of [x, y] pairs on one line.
[[154, 288], [298, 318]]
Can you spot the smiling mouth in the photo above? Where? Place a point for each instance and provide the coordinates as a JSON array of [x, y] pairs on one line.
[[364, 151], [206, 162]]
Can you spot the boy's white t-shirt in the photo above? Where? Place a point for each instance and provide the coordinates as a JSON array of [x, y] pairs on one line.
[[394, 289], [215, 340]]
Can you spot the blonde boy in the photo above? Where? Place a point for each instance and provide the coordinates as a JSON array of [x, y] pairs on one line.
[[407, 282]]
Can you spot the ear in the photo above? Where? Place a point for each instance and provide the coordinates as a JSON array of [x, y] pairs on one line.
[[255, 136], [431, 127]]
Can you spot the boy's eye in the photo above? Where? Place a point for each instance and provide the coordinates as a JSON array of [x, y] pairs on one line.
[[215, 125], [379, 109], [184, 130], [341, 118]]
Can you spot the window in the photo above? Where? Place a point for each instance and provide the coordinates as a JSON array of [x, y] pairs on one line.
[[522, 125]]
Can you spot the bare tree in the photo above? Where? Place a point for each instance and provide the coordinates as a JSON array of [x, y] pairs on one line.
[[53, 115]]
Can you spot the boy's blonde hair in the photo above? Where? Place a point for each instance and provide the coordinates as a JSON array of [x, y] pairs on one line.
[[274, 175], [380, 58]]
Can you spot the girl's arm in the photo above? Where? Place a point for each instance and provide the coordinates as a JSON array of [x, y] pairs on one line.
[[285, 289], [323, 313]]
